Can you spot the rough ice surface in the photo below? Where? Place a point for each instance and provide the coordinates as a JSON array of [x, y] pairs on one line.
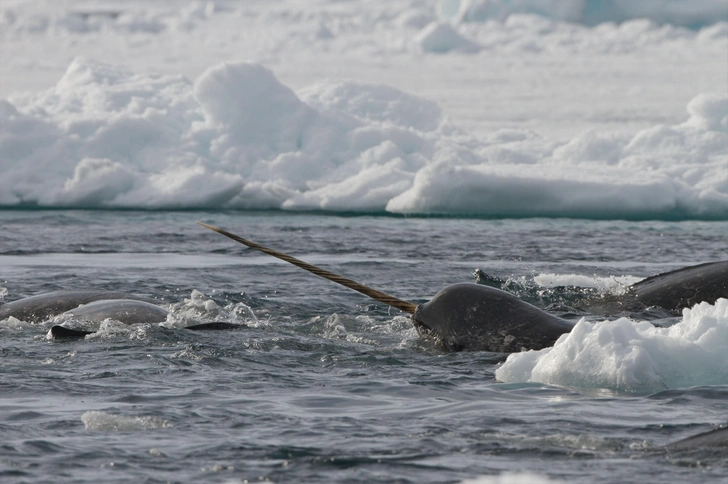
[[498, 108], [625, 356], [478, 108], [690, 13], [236, 137], [441, 37]]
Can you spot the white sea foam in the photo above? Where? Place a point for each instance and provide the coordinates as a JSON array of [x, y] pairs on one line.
[[102, 421], [632, 357], [238, 138], [199, 308], [512, 478], [614, 283]]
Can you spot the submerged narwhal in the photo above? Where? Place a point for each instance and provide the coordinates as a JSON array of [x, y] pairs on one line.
[[93, 306]]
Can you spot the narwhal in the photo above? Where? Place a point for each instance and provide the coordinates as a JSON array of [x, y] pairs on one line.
[[93, 306], [476, 317], [462, 316]]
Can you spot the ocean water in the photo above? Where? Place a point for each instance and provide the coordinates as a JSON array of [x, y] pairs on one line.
[[324, 385]]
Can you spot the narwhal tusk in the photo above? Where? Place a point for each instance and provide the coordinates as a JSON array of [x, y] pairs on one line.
[[367, 291]]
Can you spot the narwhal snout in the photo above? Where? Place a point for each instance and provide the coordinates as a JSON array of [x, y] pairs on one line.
[[417, 319], [420, 321]]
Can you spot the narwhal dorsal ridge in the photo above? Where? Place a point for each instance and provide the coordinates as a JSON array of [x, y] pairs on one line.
[[683, 287], [35, 309]]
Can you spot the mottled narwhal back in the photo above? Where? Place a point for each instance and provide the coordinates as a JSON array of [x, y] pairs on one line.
[[35, 309], [684, 287], [126, 311], [481, 318]]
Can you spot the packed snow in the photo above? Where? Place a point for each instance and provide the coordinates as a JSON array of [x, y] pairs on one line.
[[238, 138], [475, 108], [689, 13]]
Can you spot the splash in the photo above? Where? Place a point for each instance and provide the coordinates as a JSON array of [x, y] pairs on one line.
[[105, 422]]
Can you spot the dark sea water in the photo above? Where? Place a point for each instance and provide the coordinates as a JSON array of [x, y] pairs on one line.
[[323, 385]]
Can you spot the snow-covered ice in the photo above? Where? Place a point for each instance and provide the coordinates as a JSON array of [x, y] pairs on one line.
[[500, 108]]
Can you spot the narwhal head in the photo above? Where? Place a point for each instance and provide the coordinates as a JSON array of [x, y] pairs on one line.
[[481, 318], [445, 318]]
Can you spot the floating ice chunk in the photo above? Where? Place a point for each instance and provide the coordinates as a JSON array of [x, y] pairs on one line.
[[632, 357]]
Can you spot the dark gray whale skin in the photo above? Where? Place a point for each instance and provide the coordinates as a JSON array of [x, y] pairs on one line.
[[94, 306], [477, 317], [716, 438], [473, 317], [684, 287], [127, 311], [36, 309]]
